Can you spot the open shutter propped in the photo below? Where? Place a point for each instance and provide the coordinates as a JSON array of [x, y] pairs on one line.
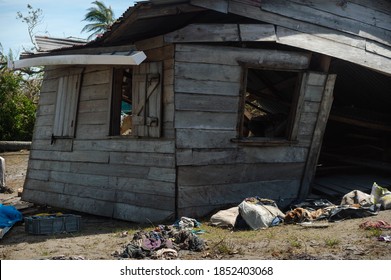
[[147, 100]]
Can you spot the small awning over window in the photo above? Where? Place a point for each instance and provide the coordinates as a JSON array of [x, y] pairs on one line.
[[115, 58]]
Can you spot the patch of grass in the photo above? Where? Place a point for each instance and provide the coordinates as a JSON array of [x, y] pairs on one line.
[[374, 232], [226, 248], [295, 242], [332, 242]]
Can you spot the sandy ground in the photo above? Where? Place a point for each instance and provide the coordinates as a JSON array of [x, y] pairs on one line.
[[100, 237]]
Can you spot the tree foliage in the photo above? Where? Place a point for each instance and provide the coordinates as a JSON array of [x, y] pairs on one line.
[[17, 106], [100, 17]]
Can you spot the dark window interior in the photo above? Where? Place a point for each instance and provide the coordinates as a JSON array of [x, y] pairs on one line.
[[269, 99]]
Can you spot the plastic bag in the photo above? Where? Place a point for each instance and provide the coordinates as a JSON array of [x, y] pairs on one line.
[[259, 216], [380, 195]]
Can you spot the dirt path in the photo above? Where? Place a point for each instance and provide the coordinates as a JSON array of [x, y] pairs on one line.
[[100, 237]]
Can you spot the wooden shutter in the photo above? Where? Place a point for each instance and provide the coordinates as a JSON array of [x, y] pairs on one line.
[[66, 104], [147, 100]]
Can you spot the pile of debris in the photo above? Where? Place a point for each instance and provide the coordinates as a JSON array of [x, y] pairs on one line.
[[164, 242], [259, 213]]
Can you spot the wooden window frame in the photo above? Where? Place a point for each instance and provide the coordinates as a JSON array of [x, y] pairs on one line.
[[293, 116]]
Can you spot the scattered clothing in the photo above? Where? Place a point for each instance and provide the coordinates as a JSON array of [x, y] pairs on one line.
[[164, 241], [186, 223], [386, 238], [165, 254], [375, 225]]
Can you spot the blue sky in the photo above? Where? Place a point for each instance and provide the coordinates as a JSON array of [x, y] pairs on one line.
[[60, 19]]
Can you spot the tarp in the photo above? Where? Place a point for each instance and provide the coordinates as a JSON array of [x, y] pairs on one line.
[[9, 215]]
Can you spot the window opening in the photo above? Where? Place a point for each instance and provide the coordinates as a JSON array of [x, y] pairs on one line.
[[269, 98], [121, 119]]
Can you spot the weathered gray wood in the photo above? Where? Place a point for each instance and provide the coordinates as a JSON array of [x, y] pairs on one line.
[[377, 48], [126, 145], [86, 205], [97, 77], [143, 159], [314, 43], [45, 110], [207, 87], [65, 145], [237, 173], [216, 5], [278, 154], [204, 33], [147, 100], [217, 195], [311, 107], [35, 164], [43, 186], [141, 214], [316, 16], [352, 11], [44, 120], [75, 156], [317, 138], [95, 92], [205, 120], [151, 43], [83, 191], [42, 132], [379, 5], [210, 103], [92, 131], [162, 174], [232, 56], [296, 115], [198, 138], [207, 72], [89, 106], [139, 172], [305, 27], [87, 118], [222, 33], [47, 97], [152, 201], [143, 186], [66, 105], [126, 171], [257, 33]]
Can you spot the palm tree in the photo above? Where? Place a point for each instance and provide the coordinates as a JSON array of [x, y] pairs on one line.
[[101, 18]]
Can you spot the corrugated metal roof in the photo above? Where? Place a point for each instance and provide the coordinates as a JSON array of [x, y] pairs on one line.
[[46, 43]]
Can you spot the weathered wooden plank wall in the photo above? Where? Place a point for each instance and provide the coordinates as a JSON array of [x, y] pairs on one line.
[[125, 178], [358, 31], [213, 171]]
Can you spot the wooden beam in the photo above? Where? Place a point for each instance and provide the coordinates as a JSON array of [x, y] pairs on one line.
[[334, 49], [215, 5], [360, 123], [317, 138], [222, 33]]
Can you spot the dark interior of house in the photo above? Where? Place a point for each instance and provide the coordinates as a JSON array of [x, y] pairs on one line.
[[356, 149]]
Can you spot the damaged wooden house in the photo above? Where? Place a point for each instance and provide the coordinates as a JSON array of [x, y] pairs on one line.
[[186, 107]]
